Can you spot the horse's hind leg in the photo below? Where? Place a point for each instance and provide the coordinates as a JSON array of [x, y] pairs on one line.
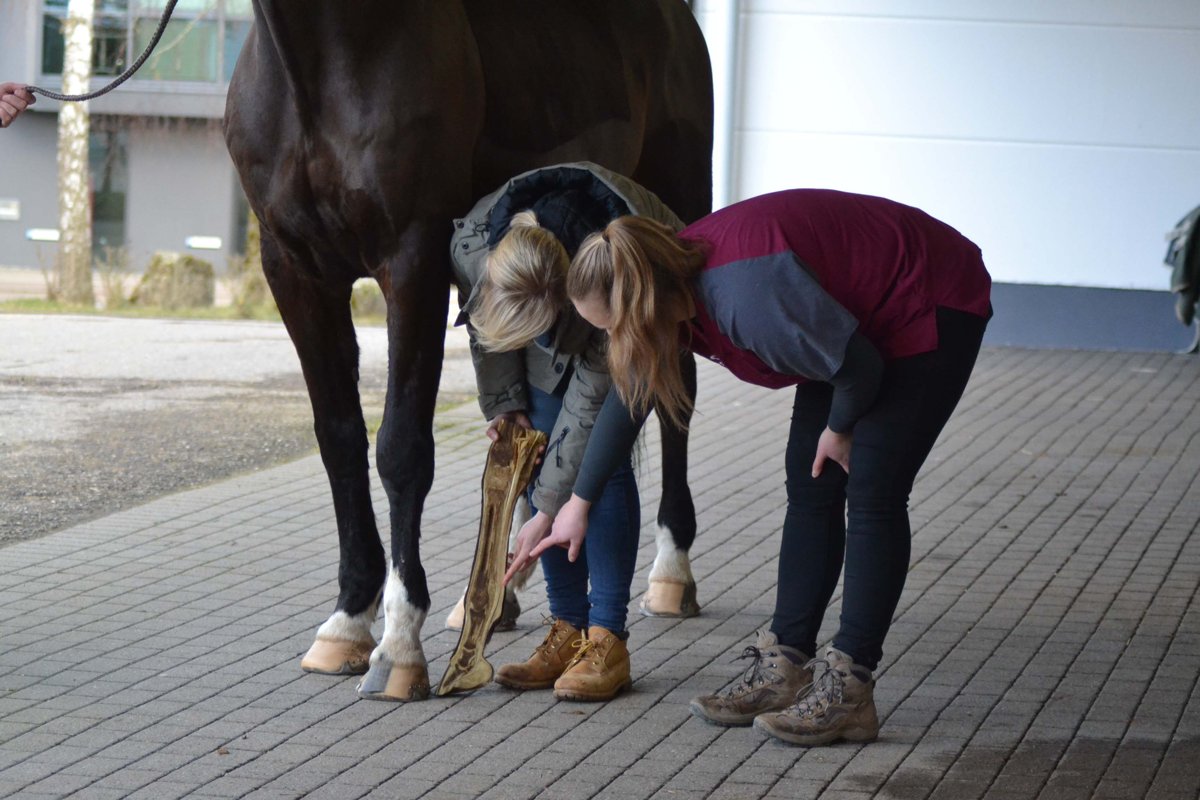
[[318, 320], [677, 164], [672, 589]]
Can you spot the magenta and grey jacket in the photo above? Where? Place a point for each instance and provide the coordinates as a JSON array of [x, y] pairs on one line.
[[814, 284]]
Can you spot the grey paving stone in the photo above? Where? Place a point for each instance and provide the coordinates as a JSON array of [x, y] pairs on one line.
[[1053, 569]]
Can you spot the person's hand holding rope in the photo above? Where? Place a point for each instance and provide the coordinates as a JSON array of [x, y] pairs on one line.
[[14, 99]]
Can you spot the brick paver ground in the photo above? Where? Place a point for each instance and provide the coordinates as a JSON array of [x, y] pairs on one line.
[[1047, 644]]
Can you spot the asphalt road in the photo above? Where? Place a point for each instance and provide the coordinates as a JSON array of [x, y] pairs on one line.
[[98, 414]]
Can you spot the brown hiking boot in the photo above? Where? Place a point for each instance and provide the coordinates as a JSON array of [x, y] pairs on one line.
[[548, 661], [839, 704], [770, 683], [599, 670]]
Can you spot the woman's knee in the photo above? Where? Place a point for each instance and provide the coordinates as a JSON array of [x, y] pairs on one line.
[[826, 490], [877, 503]]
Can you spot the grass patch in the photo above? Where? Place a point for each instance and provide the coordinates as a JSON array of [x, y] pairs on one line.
[[265, 312], [39, 306]]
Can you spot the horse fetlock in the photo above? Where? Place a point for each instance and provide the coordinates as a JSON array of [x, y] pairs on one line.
[[671, 562], [672, 588], [403, 617], [343, 645], [352, 627]]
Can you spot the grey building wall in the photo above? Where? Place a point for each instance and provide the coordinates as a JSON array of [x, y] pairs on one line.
[[181, 181], [181, 184], [30, 178]]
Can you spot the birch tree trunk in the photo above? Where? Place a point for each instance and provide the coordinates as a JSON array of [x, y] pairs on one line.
[[74, 202]]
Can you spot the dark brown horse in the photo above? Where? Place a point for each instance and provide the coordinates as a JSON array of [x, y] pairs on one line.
[[360, 130]]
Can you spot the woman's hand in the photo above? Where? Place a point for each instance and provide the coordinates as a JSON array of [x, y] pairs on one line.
[[511, 417], [833, 447], [531, 534], [14, 99], [570, 528]]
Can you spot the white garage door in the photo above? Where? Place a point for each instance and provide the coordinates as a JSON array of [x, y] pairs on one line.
[[1063, 136]]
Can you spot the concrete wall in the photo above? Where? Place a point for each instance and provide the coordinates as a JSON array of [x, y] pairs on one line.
[[181, 180], [28, 152], [1061, 135], [181, 184]]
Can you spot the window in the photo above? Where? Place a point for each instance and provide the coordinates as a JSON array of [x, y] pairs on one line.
[[109, 35], [108, 164], [200, 43]]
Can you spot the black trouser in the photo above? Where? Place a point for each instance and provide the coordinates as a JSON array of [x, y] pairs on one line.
[[864, 516]]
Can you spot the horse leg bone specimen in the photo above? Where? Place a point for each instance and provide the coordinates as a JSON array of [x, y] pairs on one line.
[[509, 467], [512, 606]]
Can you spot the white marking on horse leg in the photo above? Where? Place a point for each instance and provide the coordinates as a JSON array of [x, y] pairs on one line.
[[401, 643], [672, 589], [670, 563], [343, 644], [355, 628]]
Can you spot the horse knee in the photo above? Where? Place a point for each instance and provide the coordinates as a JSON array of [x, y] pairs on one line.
[[405, 458], [343, 444]]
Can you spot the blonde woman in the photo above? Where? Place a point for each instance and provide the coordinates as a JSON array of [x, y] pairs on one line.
[[875, 312], [539, 365]]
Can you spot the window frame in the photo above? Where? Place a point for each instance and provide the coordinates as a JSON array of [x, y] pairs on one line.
[[135, 10]]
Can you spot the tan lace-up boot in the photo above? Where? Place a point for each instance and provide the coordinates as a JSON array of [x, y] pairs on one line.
[[599, 670], [775, 675], [548, 661]]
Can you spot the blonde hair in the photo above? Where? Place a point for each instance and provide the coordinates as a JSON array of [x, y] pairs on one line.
[[523, 286], [642, 269]]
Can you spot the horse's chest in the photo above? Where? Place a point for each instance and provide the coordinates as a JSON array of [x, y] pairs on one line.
[[323, 205]]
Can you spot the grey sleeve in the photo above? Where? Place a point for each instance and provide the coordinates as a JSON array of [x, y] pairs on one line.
[[611, 442], [500, 379], [774, 307], [856, 384]]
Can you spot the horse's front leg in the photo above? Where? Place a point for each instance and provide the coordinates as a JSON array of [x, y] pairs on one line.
[[416, 289], [317, 317], [672, 589]]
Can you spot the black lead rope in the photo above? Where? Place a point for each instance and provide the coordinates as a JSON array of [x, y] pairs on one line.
[[124, 76]]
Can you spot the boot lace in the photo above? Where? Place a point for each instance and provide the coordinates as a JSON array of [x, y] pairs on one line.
[[553, 638], [828, 688], [757, 674], [582, 648]]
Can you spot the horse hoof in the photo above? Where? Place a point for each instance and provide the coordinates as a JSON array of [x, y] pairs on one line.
[[338, 656], [397, 682], [454, 620], [669, 598]]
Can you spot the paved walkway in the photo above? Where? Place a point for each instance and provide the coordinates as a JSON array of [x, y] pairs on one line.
[[1047, 644]]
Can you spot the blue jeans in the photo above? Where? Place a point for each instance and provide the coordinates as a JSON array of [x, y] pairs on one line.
[[862, 518], [609, 553]]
